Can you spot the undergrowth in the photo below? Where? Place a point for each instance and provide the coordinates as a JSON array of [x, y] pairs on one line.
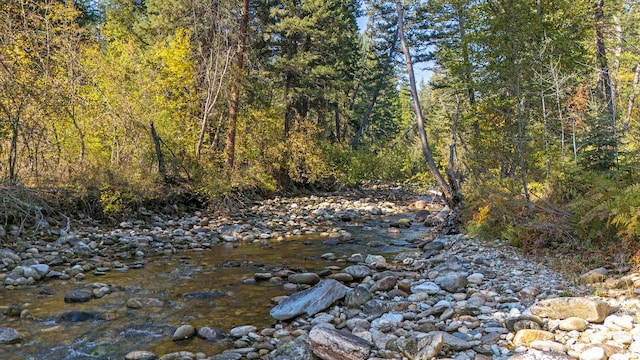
[[580, 220]]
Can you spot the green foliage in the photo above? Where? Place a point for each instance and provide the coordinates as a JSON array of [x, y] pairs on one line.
[[599, 146], [111, 200], [624, 216], [393, 164], [497, 210], [605, 209], [489, 209]]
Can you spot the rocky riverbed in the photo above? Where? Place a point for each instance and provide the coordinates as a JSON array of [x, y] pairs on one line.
[[427, 296]]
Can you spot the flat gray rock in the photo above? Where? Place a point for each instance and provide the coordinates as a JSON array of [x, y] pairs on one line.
[[310, 301], [77, 296]]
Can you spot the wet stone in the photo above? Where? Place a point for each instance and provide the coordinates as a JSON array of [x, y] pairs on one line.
[[183, 332], [10, 336], [77, 296], [134, 303], [180, 355], [263, 276], [77, 316], [211, 334], [207, 294], [304, 278], [241, 331], [141, 355]]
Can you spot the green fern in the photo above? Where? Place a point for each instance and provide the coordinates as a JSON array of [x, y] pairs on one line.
[[624, 214]]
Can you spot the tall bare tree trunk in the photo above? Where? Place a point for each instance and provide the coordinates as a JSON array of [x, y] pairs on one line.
[[521, 140], [213, 93], [452, 198], [235, 89]]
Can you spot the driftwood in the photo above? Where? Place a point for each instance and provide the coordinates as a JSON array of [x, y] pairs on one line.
[[19, 206]]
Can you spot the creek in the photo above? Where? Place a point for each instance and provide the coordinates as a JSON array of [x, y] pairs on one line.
[[201, 288]]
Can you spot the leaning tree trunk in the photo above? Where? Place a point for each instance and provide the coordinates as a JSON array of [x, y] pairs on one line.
[[452, 197], [162, 168]]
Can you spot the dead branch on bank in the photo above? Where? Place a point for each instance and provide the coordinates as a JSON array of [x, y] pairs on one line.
[[24, 208]]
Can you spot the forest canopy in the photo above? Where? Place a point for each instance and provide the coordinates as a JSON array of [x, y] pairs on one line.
[[530, 111]]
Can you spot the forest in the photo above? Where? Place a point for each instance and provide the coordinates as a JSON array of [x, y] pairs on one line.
[[527, 123]]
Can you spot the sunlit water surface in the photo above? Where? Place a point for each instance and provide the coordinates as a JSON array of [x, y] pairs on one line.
[[117, 330]]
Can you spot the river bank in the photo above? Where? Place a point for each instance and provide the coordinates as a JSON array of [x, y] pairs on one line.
[[392, 288]]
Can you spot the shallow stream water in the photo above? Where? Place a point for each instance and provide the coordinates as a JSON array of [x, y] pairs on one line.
[[198, 288]]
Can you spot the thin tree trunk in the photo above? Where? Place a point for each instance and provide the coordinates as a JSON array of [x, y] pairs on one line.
[[632, 99], [453, 199], [365, 122], [556, 83], [521, 142], [604, 84], [235, 89], [162, 168], [336, 118], [454, 180], [211, 99], [547, 160], [617, 53], [13, 154]]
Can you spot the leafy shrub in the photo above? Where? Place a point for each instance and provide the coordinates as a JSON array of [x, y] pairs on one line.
[[111, 200]]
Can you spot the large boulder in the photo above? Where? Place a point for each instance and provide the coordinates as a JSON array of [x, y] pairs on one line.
[[330, 344], [310, 301], [594, 311]]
